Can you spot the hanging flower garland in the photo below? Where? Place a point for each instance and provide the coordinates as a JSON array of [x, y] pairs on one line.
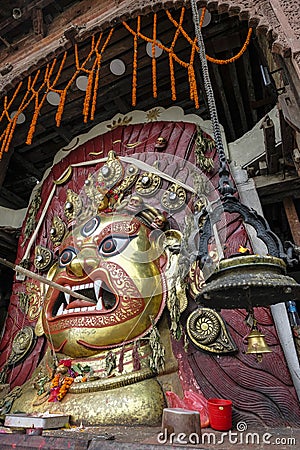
[[41, 84], [154, 82], [67, 374], [235, 57]]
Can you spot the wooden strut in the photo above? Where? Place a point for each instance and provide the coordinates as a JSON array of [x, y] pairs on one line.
[[40, 278]]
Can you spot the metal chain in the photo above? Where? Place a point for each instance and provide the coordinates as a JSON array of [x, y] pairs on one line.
[[225, 185]]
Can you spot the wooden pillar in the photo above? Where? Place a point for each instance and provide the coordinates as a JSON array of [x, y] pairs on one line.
[[293, 219], [4, 162], [272, 156]]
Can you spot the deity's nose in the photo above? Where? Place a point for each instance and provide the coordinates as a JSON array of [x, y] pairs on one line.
[[85, 262]]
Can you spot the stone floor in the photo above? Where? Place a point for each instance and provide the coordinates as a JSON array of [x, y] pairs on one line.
[[139, 438]]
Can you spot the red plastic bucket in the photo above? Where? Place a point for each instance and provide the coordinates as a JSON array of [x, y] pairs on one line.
[[220, 414]]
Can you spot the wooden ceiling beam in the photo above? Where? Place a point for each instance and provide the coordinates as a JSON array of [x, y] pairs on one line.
[[28, 166], [39, 27], [64, 133], [10, 24], [293, 219], [4, 163], [12, 199], [121, 104], [249, 84], [236, 91], [223, 100], [37, 141]]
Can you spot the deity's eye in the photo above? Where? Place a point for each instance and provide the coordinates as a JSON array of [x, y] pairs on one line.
[[89, 227], [67, 256], [113, 245]]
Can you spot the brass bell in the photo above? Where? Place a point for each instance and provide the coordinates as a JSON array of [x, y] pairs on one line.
[[256, 344]]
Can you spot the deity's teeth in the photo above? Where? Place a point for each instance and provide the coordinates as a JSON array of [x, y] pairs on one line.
[[77, 309], [82, 286], [71, 310], [67, 297], [84, 309], [61, 310], [91, 308], [97, 286], [99, 305]]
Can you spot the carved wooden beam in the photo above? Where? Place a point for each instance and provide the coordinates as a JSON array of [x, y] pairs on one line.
[[64, 133], [39, 27]]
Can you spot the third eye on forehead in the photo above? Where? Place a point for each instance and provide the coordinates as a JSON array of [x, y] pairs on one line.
[[90, 226]]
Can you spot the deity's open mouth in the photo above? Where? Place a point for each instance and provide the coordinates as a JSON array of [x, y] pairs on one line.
[[102, 299]]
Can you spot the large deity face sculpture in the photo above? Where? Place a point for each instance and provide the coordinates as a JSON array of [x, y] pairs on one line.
[[112, 259]]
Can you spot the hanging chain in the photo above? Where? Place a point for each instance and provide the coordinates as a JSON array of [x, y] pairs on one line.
[[225, 186]]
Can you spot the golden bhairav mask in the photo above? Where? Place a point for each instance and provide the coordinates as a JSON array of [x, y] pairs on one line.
[[118, 251], [116, 261]]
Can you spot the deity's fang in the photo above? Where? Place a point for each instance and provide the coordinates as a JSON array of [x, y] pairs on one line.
[[72, 305], [97, 286]]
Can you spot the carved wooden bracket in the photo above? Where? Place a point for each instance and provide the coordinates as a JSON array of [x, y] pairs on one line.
[[39, 27]]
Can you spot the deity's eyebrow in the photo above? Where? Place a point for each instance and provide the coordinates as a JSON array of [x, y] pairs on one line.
[[124, 228]]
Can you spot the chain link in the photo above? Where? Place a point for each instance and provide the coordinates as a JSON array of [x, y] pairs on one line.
[[225, 185]]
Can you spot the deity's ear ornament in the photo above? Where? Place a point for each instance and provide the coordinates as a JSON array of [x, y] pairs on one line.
[[176, 272], [72, 207], [111, 173], [38, 329], [43, 258], [57, 232]]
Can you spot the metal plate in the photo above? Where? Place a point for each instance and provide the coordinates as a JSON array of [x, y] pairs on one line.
[[31, 421]]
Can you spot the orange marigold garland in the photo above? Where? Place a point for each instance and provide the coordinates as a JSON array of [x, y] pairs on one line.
[[88, 92], [98, 67], [171, 55], [38, 105], [67, 374], [67, 381], [154, 82], [79, 68], [235, 57], [135, 58], [38, 95]]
